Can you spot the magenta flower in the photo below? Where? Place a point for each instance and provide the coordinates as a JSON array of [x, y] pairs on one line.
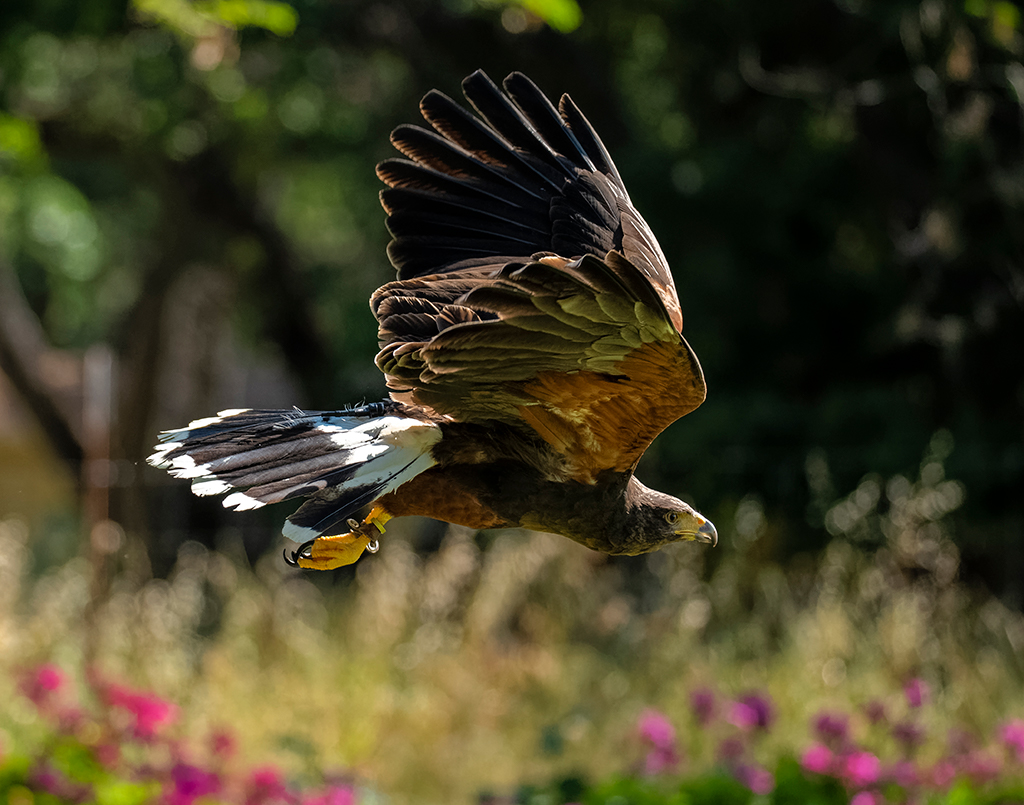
[[753, 711], [917, 692], [657, 731], [660, 761], [866, 798], [40, 686], [188, 783], [860, 769], [655, 728], [266, 785], [757, 779], [702, 701], [817, 758], [831, 728], [49, 678], [150, 713], [1012, 736]]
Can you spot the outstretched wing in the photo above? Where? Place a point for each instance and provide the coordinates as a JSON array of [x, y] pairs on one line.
[[530, 290], [522, 178]]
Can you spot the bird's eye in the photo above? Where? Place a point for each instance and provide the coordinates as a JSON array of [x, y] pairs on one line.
[[671, 518]]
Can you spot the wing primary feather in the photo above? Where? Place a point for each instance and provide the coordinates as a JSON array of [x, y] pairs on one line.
[[434, 151], [505, 117], [588, 139], [486, 144], [545, 119], [406, 173]]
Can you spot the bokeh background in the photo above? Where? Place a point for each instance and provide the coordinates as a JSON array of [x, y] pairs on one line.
[[189, 222]]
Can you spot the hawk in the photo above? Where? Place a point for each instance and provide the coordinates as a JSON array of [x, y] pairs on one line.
[[531, 345]]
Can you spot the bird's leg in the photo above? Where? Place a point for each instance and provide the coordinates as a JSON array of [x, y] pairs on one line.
[[378, 517], [327, 553]]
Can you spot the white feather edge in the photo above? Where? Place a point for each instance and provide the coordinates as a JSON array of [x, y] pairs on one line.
[[173, 438], [381, 445]]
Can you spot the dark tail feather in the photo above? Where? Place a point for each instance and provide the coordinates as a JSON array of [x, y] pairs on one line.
[[341, 459]]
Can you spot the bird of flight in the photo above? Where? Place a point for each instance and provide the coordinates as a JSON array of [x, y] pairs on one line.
[[531, 344]]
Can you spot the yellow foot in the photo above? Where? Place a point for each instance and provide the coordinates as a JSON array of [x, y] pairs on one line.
[[327, 553], [378, 517]]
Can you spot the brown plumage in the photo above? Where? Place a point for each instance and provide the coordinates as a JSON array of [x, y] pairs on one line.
[[531, 345]]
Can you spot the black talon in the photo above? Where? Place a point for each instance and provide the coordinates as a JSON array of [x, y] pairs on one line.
[[305, 551]]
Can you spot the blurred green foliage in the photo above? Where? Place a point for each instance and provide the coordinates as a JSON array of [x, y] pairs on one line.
[[838, 185]]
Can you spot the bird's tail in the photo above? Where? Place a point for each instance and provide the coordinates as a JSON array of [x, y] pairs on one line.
[[340, 460]]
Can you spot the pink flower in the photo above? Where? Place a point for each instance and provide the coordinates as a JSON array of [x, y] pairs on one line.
[[759, 780], [655, 728], [917, 692], [817, 759], [40, 687], [865, 798], [150, 713], [266, 785], [660, 761], [702, 701], [50, 678], [860, 769], [753, 711], [188, 783], [1012, 735]]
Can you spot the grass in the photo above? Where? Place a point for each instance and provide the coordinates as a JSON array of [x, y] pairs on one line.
[[434, 680]]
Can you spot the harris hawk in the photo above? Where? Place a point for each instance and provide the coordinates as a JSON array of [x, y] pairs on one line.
[[531, 345]]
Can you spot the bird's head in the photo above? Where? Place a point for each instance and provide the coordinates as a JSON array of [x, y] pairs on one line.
[[656, 519]]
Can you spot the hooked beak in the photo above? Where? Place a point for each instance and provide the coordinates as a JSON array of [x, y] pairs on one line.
[[695, 527], [707, 534]]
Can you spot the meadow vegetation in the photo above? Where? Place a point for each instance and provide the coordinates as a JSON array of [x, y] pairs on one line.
[[522, 666]]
